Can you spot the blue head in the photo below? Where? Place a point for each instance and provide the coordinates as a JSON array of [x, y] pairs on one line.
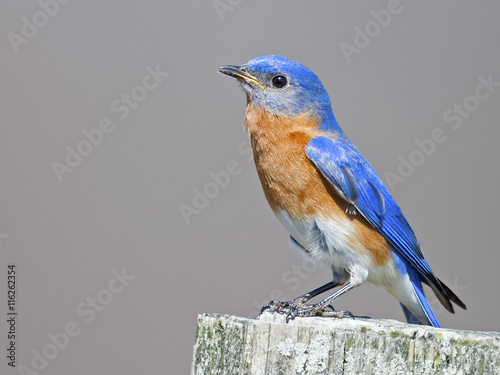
[[283, 87]]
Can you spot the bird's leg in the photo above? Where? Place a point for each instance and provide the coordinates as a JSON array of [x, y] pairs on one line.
[[358, 276], [298, 307], [320, 306], [306, 297]]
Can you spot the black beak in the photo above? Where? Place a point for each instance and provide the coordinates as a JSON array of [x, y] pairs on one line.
[[239, 72], [231, 70]]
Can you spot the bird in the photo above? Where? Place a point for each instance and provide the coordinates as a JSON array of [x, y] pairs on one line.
[[330, 199]]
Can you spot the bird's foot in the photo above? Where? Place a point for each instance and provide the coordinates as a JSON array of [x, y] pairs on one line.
[[340, 314], [298, 308]]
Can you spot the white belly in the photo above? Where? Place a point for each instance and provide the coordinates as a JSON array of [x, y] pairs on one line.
[[332, 242]]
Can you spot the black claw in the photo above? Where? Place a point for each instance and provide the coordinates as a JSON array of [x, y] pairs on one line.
[[349, 314], [293, 313], [330, 307], [264, 308], [271, 306]]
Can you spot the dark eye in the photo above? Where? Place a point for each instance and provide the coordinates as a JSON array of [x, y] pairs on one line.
[[279, 81]]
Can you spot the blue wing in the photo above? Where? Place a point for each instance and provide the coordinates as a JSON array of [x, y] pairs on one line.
[[355, 180]]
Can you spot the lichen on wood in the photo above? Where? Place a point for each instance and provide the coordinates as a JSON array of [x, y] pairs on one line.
[[270, 346]]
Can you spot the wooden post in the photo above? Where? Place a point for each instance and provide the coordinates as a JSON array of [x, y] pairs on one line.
[[269, 346]]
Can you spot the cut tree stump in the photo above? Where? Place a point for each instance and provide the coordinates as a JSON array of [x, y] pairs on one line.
[[270, 346]]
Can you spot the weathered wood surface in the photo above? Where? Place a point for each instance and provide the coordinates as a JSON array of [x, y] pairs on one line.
[[268, 346]]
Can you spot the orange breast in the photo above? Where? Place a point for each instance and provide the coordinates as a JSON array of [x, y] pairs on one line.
[[291, 182]]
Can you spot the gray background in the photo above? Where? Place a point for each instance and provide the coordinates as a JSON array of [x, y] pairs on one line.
[[120, 206]]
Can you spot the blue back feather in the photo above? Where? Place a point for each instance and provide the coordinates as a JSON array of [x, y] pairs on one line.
[[334, 155]]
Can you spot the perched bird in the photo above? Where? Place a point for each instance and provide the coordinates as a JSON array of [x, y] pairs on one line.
[[326, 194]]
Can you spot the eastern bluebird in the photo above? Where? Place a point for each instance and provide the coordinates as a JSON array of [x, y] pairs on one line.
[[326, 194]]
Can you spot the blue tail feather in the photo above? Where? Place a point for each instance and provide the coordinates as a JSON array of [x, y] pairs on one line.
[[417, 286]]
